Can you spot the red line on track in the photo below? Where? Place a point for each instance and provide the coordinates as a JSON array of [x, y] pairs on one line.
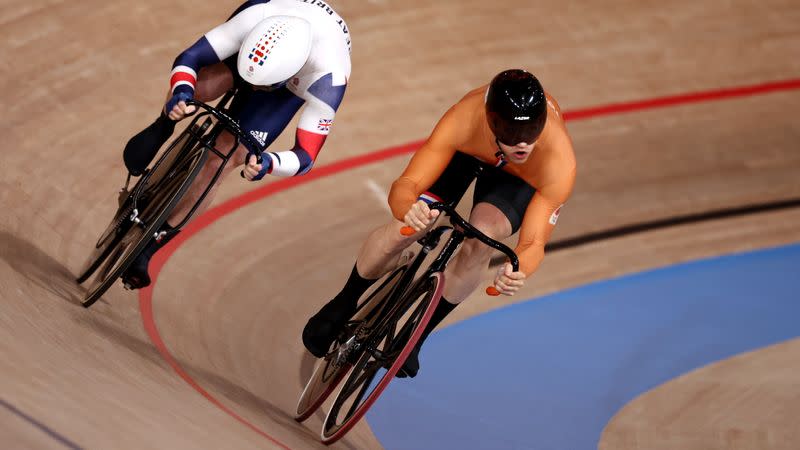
[[684, 99], [212, 215]]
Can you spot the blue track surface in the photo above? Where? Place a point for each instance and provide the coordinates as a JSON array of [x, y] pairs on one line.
[[550, 373]]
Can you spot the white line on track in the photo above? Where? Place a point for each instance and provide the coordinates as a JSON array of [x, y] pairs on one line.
[[379, 192]]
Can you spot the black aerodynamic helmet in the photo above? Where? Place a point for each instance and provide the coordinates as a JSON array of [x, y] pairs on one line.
[[516, 107]]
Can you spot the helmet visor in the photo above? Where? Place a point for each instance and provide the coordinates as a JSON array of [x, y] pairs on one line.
[[513, 132]]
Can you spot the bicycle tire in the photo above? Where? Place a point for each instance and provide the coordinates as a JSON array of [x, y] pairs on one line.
[[425, 294], [327, 375]]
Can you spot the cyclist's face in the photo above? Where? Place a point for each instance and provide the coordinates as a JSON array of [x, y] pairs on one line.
[[519, 153]]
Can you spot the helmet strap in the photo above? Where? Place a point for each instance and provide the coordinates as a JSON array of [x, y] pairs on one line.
[[501, 157]]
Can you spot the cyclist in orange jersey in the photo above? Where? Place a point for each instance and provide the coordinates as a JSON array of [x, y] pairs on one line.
[[516, 131]]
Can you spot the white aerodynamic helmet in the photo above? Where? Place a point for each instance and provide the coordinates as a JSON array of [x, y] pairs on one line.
[[275, 50]]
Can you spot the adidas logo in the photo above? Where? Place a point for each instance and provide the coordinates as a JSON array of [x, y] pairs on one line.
[[261, 136]]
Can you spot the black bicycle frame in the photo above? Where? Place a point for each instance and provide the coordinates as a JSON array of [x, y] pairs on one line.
[[464, 230], [460, 231], [207, 141]]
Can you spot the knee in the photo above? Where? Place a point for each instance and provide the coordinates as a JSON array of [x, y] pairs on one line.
[[475, 251], [492, 222]]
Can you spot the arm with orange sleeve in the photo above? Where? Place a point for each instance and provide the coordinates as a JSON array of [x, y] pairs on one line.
[[427, 164], [540, 219]]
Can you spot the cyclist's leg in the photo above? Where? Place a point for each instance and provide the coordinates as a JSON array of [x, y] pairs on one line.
[[383, 247], [212, 82], [500, 202], [380, 254]]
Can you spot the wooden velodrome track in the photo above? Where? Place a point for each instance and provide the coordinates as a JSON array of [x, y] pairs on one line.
[[80, 77]]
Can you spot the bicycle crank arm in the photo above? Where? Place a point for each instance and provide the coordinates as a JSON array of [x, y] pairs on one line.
[[344, 351]]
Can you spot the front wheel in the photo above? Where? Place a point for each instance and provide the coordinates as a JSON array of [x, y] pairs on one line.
[[166, 191], [117, 230], [386, 350], [330, 369]]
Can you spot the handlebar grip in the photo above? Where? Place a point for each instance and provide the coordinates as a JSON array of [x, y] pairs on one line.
[[407, 231], [491, 290]]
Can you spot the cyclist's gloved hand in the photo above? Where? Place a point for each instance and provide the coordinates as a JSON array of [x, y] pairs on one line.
[[255, 172], [176, 108]]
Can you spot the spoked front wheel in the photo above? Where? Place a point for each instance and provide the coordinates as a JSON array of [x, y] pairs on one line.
[[165, 191], [122, 222], [330, 369], [386, 350]]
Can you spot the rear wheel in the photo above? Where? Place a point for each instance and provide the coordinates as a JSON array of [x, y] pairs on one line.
[[386, 349], [330, 369]]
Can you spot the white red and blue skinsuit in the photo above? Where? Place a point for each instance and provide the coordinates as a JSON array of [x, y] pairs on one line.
[[320, 84]]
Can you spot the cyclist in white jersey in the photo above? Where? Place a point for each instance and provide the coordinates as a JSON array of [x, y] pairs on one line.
[[280, 55]]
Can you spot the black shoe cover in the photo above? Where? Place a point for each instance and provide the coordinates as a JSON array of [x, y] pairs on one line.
[[323, 327]]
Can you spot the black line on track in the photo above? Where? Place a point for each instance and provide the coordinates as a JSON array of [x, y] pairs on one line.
[[658, 224]]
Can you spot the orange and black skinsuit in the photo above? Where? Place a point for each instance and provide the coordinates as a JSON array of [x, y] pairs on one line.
[[529, 194], [550, 169]]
